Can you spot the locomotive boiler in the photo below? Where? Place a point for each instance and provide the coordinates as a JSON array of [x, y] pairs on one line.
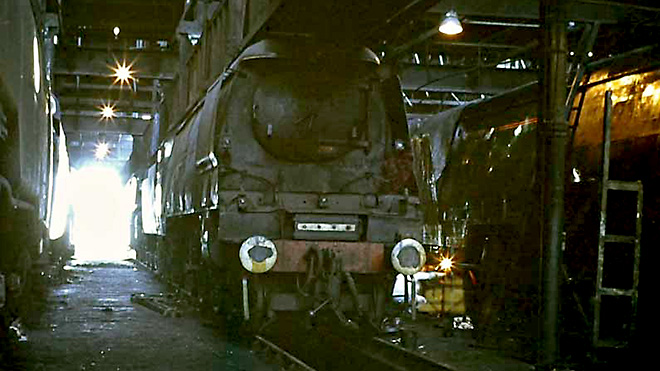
[[477, 167], [287, 187]]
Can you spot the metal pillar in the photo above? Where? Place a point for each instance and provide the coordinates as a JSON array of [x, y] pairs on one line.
[[554, 129]]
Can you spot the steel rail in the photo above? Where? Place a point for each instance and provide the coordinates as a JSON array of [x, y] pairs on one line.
[[404, 358], [385, 355], [284, 353], [358, 350]]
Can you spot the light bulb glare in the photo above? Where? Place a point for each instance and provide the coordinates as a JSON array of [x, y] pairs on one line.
[[451, 25]]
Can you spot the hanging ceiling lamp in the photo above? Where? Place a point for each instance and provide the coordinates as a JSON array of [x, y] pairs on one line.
[[451, 25]]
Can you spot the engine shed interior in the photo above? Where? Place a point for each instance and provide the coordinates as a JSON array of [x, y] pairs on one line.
[[481, 174]]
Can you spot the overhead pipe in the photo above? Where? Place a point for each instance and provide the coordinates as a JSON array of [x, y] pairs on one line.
[[501, 23], [645, 51]]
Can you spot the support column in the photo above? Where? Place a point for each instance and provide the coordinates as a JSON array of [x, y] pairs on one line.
[[552, 160]]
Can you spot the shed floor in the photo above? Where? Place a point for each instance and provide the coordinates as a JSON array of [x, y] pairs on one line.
[[458, 352], [89, 322]]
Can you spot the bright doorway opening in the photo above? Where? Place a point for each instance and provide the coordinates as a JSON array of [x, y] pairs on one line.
[[102, 208]]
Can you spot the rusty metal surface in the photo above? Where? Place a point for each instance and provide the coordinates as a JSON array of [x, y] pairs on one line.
[[361, 257], [635, 108]]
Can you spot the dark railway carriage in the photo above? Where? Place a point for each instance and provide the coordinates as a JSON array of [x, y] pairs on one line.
[[288, 186], [32, 158], [477, 168]]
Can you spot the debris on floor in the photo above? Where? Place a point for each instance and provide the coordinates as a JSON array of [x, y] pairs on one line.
[[16, 331], [163, 304]]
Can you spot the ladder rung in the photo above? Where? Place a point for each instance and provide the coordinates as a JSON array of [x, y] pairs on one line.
[[615, 292], [619, 239], [621, 185], [612, 344]]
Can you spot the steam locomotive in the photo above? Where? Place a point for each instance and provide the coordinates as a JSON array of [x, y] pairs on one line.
[[477, 167], [287, 187], [33, 163]]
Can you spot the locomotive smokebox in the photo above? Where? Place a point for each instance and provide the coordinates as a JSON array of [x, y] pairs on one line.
[[315, 108]]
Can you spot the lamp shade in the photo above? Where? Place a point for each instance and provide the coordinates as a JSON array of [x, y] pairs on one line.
[[451, 25]]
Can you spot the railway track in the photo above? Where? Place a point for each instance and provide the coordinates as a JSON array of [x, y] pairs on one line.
[[384, 355], [292, 362], [394, 357], [324, 348]]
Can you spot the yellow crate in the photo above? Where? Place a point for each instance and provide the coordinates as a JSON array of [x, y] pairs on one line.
[[443, 296]]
